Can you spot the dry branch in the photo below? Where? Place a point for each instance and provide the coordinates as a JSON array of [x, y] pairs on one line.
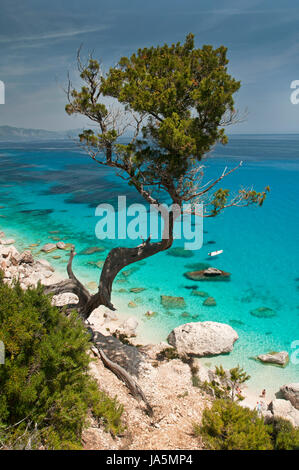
[[123, 375]]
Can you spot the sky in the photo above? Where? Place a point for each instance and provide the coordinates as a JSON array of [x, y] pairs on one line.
[[39, 40]]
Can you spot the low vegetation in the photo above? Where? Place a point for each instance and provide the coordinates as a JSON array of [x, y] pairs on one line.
[[167, 354], [227, 383], [47, 396], [229, 426]]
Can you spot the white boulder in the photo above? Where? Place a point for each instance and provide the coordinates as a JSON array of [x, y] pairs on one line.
[[44, 265], [291, 392], [280, 358], [60, 300], [203, 338], [284, 409], [129, 326], [25, 257]]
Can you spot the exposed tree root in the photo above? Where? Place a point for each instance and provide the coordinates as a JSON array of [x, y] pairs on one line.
[[123, 375]]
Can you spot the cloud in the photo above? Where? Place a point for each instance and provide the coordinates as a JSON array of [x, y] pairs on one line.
[[55, 35]]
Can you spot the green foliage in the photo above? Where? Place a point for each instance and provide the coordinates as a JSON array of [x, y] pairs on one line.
[[46, 391], [178, 98], [184, 90], [284, 435], [123, 338], [228, 426], [244, 197], [228, 382], [167, 354]]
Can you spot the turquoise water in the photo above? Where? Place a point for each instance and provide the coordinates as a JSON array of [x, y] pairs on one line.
[[47, 189]]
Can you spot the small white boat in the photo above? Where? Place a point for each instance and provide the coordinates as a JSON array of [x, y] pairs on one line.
[[215, 253]]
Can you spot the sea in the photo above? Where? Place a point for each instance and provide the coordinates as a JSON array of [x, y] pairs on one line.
[[49, 192]]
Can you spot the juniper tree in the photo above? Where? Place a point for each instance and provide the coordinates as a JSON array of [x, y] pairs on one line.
[[178, 99]]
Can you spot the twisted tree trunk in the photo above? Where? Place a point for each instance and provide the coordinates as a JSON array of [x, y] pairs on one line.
[[117, 259]]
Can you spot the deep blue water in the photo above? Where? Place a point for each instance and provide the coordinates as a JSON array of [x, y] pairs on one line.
[[55, 187]]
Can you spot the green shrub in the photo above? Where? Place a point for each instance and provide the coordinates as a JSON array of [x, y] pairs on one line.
[[284, 435], [123, 338], [46, 391], [167, 354], [228, 426]]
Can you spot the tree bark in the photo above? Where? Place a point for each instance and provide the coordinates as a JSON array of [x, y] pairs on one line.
[[117, 259]]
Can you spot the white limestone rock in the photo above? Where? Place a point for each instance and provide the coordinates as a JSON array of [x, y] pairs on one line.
[[203, 338], [280, 358], [291, 392], [284, 409]]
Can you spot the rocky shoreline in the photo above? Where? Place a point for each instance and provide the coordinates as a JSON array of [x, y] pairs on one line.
[[161, 369]]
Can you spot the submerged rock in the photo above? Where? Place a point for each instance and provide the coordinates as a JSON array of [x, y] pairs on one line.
[[48, 247], [150, 313], [132, 304], [92, 285], [93, 249], [203, 338], [209, 302], [136, 290], [280, 358], [185, 315], [130, 271], [236, 322], [169, 301], [209, 274], [291, 392], [7, 241], [199, 293], [180, 252], [100, 263], [60, 245], [263, 312], [197, 266]]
